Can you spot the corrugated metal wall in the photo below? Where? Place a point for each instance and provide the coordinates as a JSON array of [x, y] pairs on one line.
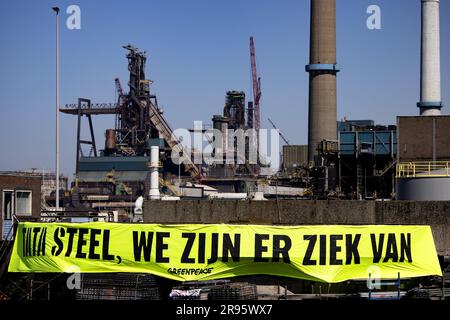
[[295, 156]]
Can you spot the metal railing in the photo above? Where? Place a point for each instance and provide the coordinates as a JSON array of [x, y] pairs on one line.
[[107, 105], [423, 169]]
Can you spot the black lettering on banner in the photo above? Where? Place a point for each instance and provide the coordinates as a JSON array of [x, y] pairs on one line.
[[142, 244], [201, 247], [40, 246], [405, 246], [334, 249], [58, 241], [44, 238], [29, 242], [105, 249], [24, 242], [307, 261], [259, 248], [81, 242], [93, 243], [214, 247], [323, 250], [35, 231], [352, 248], [33, 241], [161, 246], [71, 232], [377, 250], [281, 250], [188, 247], [229, 247], [391, 249], [190, 271]]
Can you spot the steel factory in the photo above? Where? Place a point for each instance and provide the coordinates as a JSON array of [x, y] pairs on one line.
[[352, 172]]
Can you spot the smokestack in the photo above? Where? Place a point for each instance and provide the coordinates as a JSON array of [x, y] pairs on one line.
[[154, 173], [322, 70], [430, 74]]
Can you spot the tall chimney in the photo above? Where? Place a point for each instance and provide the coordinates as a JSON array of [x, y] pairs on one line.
[[430, 72], [322, 70], [154, 174]]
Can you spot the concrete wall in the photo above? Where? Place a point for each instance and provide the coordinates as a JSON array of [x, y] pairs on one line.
[[302, 212]]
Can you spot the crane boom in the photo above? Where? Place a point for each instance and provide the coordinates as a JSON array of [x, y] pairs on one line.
[[256, 90], [118, 87], [121, 94], [279, 132]]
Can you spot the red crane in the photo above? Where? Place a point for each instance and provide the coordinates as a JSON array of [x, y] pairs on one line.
[[256, 91]]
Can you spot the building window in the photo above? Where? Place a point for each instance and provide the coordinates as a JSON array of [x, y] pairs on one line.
[[7, 208], [23, 203]]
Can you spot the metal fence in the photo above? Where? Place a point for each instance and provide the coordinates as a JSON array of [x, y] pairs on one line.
[[118, 286]]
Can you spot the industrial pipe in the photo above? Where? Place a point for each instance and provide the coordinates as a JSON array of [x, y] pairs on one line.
[[154, 173], [430, 76]]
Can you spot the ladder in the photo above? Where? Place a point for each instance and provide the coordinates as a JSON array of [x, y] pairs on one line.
[[359, 178]]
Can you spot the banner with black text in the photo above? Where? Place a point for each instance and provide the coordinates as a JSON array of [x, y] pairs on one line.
[[328, 253]]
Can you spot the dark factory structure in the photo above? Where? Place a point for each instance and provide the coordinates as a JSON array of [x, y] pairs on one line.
[[392, 179], [121, 170]]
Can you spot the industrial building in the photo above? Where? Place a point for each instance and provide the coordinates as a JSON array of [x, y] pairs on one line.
[[20, 198], [350, 172], [350, 159], [120, 172], [423, 170], [423, 142], [367, 158]]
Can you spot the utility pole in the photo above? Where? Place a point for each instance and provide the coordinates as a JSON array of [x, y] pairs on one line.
[[56, 9]]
